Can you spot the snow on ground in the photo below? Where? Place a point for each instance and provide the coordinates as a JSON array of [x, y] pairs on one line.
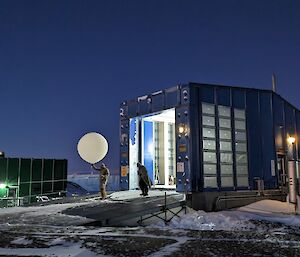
[[132, 194], [43, 231], [240, 219], [269, 206], [66, 249], [48, 214], [51, 214]]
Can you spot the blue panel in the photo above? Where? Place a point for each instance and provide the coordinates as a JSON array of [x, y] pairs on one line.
[[290, 126], [132, 108], [254, 136], [278, 107], [238, 98], [267, 136], [133, 131], [194, 149], [278, 104], [158, 102], [223, 96], [144, 106], [298, 133], [289, 120], [148, 148], [207, 94], [183, 150], [172, 97], [123, 111], [124, 152]]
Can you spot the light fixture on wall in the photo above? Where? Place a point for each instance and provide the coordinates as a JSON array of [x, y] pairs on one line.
[[291, 140], [2, 186], [181, 128]]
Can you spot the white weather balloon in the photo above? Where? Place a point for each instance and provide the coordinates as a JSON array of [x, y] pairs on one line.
[[92, 147]]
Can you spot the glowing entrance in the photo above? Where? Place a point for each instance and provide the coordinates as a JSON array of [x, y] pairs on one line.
[[152, 142]]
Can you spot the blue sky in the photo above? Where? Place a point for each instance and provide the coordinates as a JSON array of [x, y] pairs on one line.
[[65, 66]]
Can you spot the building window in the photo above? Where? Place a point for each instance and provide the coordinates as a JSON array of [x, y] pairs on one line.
[[226, 157], [225, 134], [208, 108], [210, 169], [209, 157], [240, 124], [209, 132], [226, 169], [239, 114], [224, 111], [224, 123], [242, 181], [219, 151], [241, 148], [240, 135], [208, 121], [225, 146], [227, 181], [209, 144], [242, 170], [210, 181]]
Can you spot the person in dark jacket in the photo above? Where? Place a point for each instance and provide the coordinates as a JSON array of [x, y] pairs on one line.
[[103, 179], [144, 180]]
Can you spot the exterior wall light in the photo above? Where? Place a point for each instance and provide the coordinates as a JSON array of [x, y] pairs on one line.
[[181, 128], [291, 140], [2, 186]]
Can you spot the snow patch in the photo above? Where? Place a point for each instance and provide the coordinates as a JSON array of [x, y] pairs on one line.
[[21, 241]]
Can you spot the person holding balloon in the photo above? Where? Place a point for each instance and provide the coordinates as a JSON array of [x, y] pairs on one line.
[[103, 179], [92, 148]]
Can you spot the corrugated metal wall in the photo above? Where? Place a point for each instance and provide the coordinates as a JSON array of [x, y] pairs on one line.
[[268, 121]]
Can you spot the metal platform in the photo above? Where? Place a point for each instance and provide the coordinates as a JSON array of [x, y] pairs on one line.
[[110, 213]]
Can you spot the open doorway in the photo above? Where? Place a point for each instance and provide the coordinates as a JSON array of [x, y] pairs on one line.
[[152, 142]]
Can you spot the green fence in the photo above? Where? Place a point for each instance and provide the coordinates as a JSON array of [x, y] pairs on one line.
[[27, 178]]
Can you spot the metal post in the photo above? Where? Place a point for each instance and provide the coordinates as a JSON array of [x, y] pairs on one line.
[[165, 206], [292, 181]]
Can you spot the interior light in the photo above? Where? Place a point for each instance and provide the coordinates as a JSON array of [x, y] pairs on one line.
[[2, 186], [291, 140]]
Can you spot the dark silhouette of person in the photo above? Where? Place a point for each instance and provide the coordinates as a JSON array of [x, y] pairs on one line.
[[144, 180]]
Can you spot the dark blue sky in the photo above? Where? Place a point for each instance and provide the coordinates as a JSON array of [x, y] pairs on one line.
[[66, 65]]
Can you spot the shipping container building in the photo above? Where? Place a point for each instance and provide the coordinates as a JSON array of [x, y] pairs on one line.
[[224, 146], [22, 180]]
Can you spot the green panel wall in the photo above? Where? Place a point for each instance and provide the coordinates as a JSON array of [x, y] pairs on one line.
[[34, 176], [13, 171], [36, 188], [36, 170], [25, 170], [59, 167], [3, 179], [3, 167], [48, 166], [25, 173], [48, 170], [47, 187]]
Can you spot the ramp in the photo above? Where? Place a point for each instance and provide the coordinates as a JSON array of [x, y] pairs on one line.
[[115, 212]]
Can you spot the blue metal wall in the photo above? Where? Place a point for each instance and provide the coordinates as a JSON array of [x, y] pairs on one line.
[[269, 121]]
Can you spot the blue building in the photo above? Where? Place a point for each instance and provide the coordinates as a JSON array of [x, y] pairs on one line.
[[224, 146]]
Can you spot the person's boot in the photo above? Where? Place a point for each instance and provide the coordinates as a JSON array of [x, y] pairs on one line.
[[103, 193]]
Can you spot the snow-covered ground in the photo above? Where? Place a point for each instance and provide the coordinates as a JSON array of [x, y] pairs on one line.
[[270, 227]]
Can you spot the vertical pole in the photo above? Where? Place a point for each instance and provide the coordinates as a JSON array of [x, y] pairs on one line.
[[274, 83], [165, 206]]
